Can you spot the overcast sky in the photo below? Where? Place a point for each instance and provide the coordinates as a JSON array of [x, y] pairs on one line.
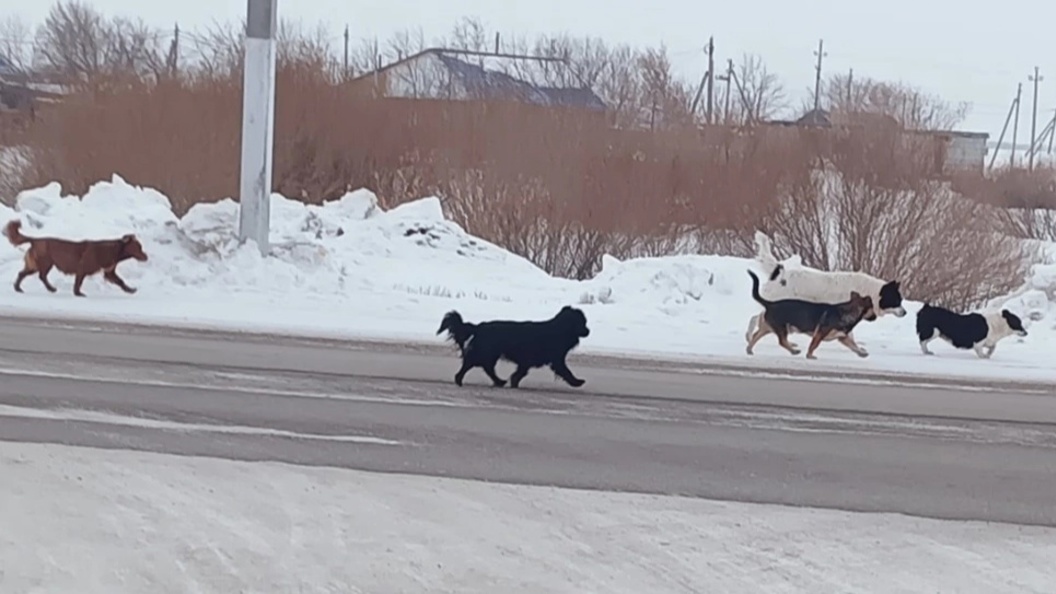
[[964, 50]]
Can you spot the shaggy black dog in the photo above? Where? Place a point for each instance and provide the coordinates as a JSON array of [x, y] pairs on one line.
[[525, 344]]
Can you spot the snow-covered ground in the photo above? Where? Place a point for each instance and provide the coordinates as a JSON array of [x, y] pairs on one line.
[[113, 522], [349, 270]]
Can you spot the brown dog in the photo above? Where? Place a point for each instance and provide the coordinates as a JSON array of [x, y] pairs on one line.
[[79, 258], [823, 321]]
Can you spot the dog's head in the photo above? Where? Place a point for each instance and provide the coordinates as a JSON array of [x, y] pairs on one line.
[[574, 321], [863, 304], [1014, 323], [891, 299], [131, 248]]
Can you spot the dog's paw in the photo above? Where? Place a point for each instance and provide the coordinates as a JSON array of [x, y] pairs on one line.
[[795, 352], [576, 383], [863, 354], [812, 357], [499, 384]]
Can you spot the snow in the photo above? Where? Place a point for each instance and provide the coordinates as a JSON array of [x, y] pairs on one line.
[[349, 269], [87, 521]]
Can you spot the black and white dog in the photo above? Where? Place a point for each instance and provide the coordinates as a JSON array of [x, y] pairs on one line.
[[821, 286], [978, 331]]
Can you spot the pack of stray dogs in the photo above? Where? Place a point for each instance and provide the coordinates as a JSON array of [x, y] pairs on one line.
[[827, 306]]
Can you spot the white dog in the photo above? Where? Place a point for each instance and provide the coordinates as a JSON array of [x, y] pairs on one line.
[[820, 286]]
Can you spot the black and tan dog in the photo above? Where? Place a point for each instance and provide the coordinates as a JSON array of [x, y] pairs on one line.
[[823, 321], [525, 344]]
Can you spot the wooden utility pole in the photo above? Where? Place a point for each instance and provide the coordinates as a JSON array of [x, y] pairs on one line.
[[1034, 117], [850, 86], [820, 53], [1001, 138], [344, 73], [1015, 126], [729, 81], [711, 78]]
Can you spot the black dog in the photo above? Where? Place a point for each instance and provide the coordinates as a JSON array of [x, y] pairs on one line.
[[525, 344], [823, 321], [977, 331]]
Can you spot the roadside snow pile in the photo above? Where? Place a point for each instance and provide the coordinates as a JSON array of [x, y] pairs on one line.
[[669, 281], [348, 244]]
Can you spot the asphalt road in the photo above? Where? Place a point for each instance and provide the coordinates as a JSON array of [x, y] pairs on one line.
[[949, 452]]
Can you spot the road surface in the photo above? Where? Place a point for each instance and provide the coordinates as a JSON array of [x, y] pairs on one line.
[[949, 452]]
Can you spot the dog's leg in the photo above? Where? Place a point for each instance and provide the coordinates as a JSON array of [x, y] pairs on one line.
[[981, 352], [782, 339], [489, 368], [861, 351], [518, 375], [42, 273], [461, 375], [561, 369], [21, 277], [752, 328], [924, 341], [760, 332], [111, 275], [77, 282], [29, 266], [815, 341], [848, 341]]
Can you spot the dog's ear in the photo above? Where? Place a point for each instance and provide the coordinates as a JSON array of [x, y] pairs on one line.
[[855, 296], [128, 237]]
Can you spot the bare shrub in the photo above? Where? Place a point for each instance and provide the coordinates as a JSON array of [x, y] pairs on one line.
[[1025, 200], [876, 206]]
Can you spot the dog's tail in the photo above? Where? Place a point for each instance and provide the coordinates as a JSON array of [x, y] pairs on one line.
[[764, 255], [755, 290], [457, 329], [13, 231]]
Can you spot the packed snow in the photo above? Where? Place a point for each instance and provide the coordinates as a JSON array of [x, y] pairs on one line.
[[348, 269], [113, 522]]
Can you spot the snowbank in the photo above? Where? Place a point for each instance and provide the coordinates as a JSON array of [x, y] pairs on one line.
[[86, 521], [350, 269]]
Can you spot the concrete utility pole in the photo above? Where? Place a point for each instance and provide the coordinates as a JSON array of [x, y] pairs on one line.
[[817, 77], [711, 78], [258, 122], [1034, 117]]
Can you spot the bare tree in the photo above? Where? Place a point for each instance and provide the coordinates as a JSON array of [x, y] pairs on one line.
[[16, 42], [72, 40], [216, 53], [80, 44], [912, 108], [760, 94], [665, 100], [131, 47]]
